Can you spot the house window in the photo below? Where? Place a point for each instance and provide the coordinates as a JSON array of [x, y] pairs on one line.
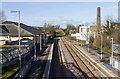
[[88, 29], [81, 29]]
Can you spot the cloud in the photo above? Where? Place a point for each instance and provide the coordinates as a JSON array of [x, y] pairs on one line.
[[115, 7]]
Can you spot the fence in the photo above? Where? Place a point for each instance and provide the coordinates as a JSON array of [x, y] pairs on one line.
[[115, 62]]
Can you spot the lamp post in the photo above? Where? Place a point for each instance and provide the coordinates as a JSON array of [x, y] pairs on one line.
[[101, 42], [112, 47], [88, 43], [88, 32], [18, 35]]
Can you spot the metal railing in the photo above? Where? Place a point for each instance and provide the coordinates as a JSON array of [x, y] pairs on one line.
[[9, 55]]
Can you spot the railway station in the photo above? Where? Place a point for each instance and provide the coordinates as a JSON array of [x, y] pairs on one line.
[[52, 40]]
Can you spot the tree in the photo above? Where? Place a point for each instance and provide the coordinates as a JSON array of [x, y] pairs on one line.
[[109, 29], [57, 26], [69, 28], [51, 29], [97, 42]]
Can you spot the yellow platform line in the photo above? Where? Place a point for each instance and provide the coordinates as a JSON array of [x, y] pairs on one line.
[[97, 63], [15, 46]]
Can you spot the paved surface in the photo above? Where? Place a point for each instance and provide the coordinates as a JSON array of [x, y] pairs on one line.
[[37, 69]]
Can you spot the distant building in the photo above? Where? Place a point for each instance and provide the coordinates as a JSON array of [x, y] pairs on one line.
[[72, 32], [85, 31]]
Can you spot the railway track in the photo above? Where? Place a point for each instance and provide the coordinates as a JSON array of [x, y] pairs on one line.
[[102, 71], [86, 70]]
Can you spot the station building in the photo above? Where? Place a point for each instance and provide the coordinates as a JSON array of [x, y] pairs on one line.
[[9, 32]]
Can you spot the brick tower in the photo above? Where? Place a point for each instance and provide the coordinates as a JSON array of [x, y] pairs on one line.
[[98, 20]]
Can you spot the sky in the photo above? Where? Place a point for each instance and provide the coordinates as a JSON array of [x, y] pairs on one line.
[[59, 0], [61, 13]]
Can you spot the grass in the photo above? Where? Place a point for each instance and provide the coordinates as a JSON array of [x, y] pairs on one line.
[[9, 73], [10, 69]]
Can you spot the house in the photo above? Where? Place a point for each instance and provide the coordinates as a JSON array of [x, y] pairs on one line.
[[4, 35], [72, 32], [25, 30], [85, 32]]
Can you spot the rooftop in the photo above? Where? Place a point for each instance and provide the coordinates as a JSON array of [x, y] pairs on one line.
[[25, 29]]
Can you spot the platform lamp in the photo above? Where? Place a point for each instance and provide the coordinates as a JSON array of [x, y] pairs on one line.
[[18, 35]]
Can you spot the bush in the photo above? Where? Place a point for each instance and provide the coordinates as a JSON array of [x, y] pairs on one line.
[[106, 43], [91, 40]]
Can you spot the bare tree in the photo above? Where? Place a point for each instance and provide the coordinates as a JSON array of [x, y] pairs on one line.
[[57, 26]]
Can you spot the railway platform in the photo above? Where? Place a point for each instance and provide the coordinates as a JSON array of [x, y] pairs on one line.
[[38, 66], [96, 57]]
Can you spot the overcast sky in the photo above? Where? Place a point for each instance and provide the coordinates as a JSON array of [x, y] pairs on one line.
[[37, 13]]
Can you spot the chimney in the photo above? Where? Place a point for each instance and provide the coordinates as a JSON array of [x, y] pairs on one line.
[[98, 20]]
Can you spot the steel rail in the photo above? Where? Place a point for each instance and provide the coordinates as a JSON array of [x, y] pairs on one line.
[[77, 57]]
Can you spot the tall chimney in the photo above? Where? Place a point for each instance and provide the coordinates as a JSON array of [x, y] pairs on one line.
[[98, 20]]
